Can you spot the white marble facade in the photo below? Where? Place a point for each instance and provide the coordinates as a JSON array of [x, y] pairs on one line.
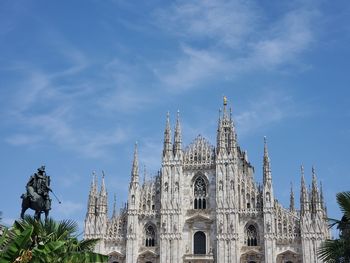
[[204, 205]]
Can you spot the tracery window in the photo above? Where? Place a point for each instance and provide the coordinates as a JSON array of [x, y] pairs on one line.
[[251, 236], [200, 193], [150, 236]]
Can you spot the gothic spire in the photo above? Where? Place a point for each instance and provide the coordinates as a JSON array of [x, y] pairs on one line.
[[144, 174], [314, 180], [102, 199], [291, 204], [225, 105], [135, 167], [92, 195], [103, 185], [267, 165], [321, 196], [314, 192], [114, 206], [304, 206], [93, 188], [220, 135], [167, 137], [177, 135]]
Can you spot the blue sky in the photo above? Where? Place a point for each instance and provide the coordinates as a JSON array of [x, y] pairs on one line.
[[81, 81]]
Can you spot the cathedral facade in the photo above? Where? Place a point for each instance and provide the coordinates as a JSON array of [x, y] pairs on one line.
[[205, 206]]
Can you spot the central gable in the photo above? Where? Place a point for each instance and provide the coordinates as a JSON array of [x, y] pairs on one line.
[[199, 154]]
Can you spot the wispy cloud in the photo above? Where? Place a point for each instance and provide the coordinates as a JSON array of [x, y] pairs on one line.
[[237, 39], [49, 110], [192, 68], [270, 108], [287, 39], [224, 22]]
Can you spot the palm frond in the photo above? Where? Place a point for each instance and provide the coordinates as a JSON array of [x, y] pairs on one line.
[[66, 228], [343, 199], [87, 244]]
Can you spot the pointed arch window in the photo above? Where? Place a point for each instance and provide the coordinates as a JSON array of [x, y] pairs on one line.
[[251, 236], [200, 193], [150, 236]]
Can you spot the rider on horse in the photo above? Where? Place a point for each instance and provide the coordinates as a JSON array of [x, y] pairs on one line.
[[38, 188]]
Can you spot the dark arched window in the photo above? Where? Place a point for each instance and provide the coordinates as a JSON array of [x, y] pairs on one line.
[[199, 243], [200, 193], [251, 236], [150, 236]]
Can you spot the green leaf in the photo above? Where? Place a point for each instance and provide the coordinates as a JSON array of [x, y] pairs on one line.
[[18, 244], [343, 200]]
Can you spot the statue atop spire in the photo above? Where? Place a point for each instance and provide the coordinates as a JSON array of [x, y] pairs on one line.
[[225, 105]]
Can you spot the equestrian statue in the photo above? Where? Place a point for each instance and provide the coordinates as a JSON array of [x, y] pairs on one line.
[[37, 195]]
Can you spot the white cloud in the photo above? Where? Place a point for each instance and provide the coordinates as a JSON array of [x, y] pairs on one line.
[[49, 115], [192, 68], [238, 40], [270, 108], [287, 39], [226, 22]]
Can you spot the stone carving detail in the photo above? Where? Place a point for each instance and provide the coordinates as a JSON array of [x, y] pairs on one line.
[[199, 154]]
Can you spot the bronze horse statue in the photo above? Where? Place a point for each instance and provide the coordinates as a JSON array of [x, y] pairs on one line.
[[39, 205], [37, 194]]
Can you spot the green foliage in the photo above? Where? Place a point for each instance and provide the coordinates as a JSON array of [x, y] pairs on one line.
[[338, 250], [40, 242], [15, 244]]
